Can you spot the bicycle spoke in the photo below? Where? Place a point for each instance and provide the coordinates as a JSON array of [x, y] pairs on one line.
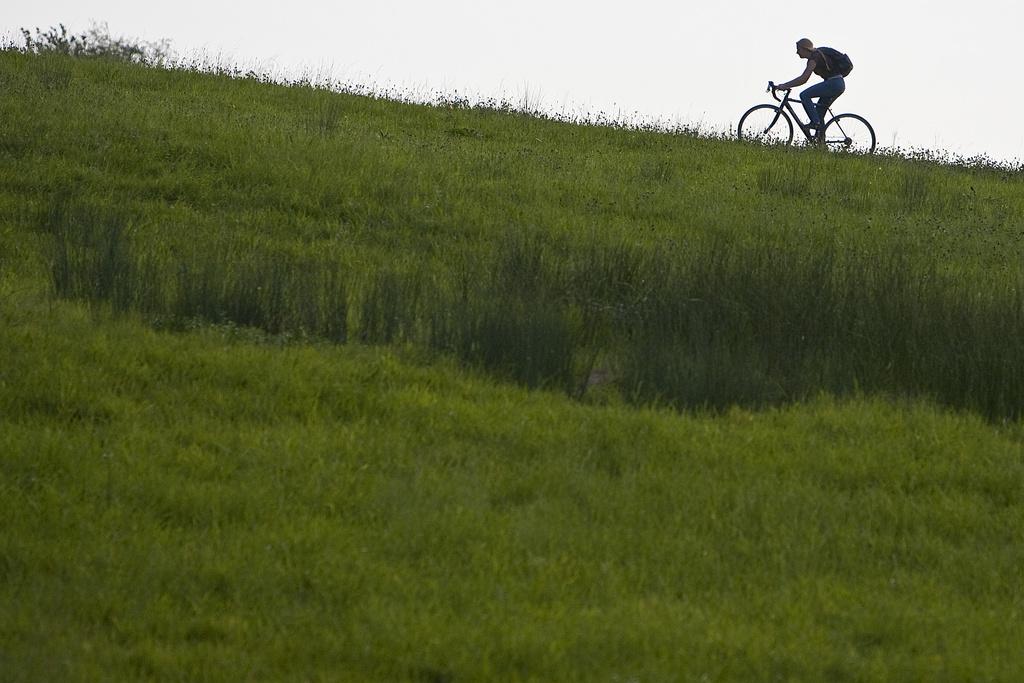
[[766, 124], [849, 133]]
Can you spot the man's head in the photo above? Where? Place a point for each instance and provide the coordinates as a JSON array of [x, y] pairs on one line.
[[804, 47]]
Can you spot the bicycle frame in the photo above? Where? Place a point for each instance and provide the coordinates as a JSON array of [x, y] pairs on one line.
[[786, 103]]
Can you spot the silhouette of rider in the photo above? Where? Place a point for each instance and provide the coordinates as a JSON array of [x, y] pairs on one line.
[[826, 92]]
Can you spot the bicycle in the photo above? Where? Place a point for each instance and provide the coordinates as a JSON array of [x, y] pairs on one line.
[[769, 124]]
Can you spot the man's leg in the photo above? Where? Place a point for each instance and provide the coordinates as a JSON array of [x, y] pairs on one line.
[[837, 86], [807, 98], [826, 92]]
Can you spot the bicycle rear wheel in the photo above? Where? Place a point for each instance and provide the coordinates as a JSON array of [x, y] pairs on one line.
[[849, 133], [766, 124]]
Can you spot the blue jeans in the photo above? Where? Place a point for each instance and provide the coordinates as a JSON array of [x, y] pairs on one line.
[[826, 92]]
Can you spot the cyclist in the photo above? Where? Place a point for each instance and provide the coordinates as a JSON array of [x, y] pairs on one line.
[[827, 91]]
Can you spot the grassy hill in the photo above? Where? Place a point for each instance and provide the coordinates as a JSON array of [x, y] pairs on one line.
[[299, 385]]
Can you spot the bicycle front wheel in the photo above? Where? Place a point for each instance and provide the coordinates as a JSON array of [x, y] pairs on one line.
[[849, 133], [766, 124]]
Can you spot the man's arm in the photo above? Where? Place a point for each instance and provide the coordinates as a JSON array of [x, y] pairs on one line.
[[801, 79]]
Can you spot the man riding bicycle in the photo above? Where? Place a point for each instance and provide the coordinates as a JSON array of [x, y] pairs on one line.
[[832, 66]]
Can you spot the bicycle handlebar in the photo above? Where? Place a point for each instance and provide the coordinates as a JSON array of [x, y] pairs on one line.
[[772, 89]]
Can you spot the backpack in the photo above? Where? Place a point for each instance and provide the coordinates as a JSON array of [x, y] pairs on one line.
[[838, 63]]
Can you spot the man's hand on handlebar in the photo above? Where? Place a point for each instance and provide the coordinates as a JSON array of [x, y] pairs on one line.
[[775, 90]]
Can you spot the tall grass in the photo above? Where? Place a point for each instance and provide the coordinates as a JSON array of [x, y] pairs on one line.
[[704, 324], [96, 258]]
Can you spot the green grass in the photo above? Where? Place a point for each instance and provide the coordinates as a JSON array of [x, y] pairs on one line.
[[200, 506], [700, 273], [296, 385]]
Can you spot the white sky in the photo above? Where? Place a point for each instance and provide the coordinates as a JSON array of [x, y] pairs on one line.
[[934, 74]]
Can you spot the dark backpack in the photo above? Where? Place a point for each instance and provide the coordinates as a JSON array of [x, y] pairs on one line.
[[837, 63]]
